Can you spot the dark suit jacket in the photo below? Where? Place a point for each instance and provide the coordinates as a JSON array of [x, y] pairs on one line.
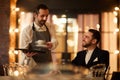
[[102, 57]]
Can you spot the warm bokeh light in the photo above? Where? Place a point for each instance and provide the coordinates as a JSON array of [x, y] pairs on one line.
[[116, 8], [17, 9], [70, 43], [12, 55], [116, 52], [115, 13], [16, 73], [98, 26], [63, 16], [115, 20], [12, 31], [22, 13], [16, 30], [116, 31], [15, 52]]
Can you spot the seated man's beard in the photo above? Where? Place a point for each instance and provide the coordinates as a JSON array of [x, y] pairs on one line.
[[87, 45]]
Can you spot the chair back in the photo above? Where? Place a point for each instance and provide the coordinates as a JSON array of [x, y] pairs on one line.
[[98, 70]]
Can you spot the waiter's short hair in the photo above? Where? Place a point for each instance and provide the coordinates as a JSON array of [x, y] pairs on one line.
[[40, 6]]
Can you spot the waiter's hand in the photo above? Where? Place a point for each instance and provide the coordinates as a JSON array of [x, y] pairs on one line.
[[49, 45], [30, 54]]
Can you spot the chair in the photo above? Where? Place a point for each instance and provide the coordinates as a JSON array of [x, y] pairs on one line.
[[115, 76], [98, 70], [1, 70], [66, 57], [107, 73]]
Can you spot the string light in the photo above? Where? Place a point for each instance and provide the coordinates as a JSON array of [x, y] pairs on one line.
[[116, 8], [115, 20], [16, 30], [63, 16], [17, 9], [115, 13], [98, 26], [116, 52], [15, 52], [115, 31], [22, 13]]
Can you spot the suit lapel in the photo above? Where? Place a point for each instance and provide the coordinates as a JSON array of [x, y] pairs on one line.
[[84, 55]]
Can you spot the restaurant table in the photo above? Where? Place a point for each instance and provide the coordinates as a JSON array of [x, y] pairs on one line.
[[42, 72], [12, 78], [5, 78], [52, 77]]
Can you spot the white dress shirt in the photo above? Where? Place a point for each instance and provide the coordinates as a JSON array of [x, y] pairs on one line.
[[88, 55]]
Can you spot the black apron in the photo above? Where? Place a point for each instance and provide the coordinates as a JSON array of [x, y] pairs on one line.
[[43, 35]]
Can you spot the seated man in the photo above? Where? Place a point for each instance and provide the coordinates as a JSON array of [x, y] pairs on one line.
[[92, 55]]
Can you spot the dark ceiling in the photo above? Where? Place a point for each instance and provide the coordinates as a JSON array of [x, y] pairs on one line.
[[70, 6]]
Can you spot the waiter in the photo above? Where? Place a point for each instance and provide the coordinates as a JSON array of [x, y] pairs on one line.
[[38, 30]]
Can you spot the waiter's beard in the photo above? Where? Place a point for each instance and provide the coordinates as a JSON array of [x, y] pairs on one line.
[[42, 22]]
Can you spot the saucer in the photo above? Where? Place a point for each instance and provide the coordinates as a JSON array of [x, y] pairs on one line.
[[45, 46]]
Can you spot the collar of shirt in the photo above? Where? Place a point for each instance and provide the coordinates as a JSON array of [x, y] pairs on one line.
[[39, 28]]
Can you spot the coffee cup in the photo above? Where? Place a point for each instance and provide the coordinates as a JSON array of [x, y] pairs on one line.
[[40, 42]]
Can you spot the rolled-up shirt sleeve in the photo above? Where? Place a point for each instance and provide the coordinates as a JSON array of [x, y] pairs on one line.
[[25, 39]]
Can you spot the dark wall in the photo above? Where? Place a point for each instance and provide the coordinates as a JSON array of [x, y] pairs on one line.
[[70, 6], [4, 30]]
